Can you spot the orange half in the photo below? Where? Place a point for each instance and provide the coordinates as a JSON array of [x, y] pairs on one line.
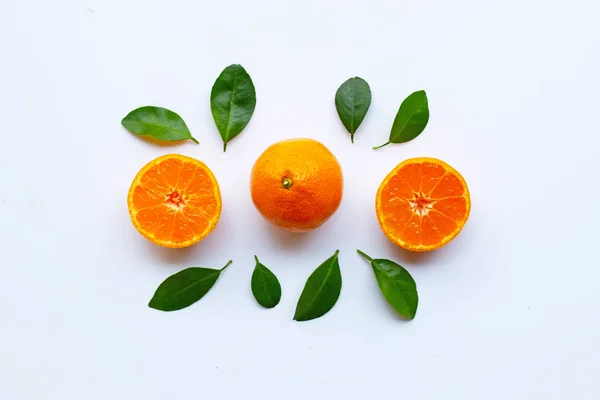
[[174, 201], [422, 204]]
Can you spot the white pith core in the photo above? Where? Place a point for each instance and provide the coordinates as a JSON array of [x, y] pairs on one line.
[[175, 200], [421, 204]]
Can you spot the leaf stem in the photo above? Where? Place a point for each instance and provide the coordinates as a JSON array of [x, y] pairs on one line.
[[364, 255], [226, 265], [194, 140], [352, 137], [378, 147]]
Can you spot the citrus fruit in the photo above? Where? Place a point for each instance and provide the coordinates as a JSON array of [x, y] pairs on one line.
[[422, 204], [174, 201], [297, 184]]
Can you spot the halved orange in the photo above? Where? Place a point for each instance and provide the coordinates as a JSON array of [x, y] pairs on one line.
[[174, 201], [422, 204]]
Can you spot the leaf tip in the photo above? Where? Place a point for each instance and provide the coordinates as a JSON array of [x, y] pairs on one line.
[[193, 139], [236, 66], [152, 304], [256, 258], [298, 318], [420, 93], [365, 256], [224, 147]]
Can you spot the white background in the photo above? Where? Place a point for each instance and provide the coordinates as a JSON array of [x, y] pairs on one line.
[[509, 309]]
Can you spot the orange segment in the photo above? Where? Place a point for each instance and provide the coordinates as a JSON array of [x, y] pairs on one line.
[[174, 201], [411, 174], [454, 208], [400, 188], [422, 204], [449, 185], [432, 174], [146, 198]]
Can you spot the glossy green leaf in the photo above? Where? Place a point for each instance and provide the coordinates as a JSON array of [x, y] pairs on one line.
[[396, 284], [411, 119], [158, 123], [184, 288], [321, 291], [265, 286], [352, 101], [232, 102]]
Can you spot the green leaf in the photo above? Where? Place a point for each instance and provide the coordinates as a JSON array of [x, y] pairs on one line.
[[352, 101], [184, 288], [396, 284], [157, 122], [411, 119], [232, 102], [321, 291], [265, 286]]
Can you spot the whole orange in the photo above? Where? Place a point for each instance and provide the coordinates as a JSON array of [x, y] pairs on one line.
[[297, 184]]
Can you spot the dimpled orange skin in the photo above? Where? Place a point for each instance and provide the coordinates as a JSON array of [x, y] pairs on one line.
[[297, 184], [422, 204], [174, 201]]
